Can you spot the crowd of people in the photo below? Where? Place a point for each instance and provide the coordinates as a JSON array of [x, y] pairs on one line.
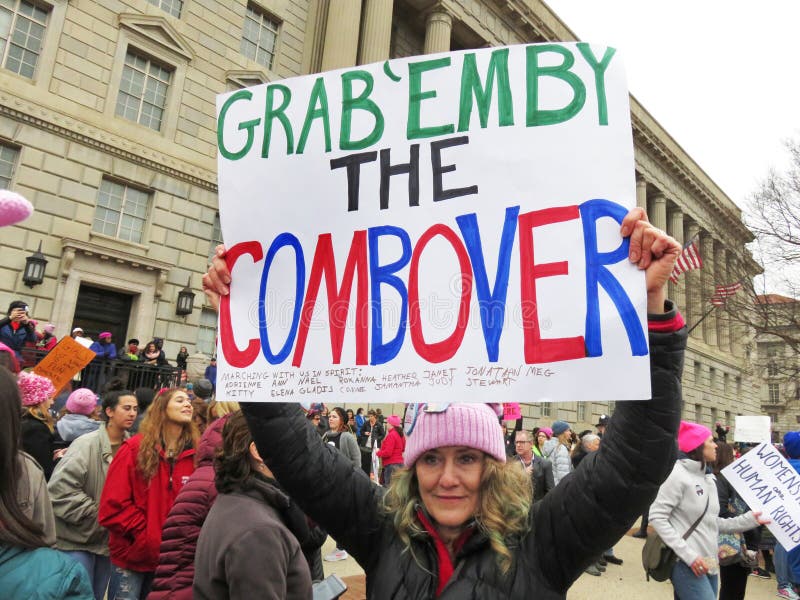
[[207, 499]]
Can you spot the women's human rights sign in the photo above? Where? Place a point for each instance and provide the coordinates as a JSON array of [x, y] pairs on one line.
[[443, 226]]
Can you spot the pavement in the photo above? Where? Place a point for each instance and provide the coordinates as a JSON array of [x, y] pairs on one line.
[[624, 582]]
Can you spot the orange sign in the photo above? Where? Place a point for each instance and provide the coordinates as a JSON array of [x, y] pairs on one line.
[[62, 362]]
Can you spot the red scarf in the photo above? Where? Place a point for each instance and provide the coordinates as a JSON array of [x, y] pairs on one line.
[[446, 566]]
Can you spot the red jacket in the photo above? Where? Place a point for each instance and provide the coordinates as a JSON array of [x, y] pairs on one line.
[[175, 571], [134, 510], [392, 448]]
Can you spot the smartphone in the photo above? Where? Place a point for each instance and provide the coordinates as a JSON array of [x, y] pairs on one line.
[[330, 588]]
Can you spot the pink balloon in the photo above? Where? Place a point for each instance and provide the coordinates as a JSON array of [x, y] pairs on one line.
[[13, 208]]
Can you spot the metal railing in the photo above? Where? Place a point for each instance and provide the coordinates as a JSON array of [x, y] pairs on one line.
[[134, 374]]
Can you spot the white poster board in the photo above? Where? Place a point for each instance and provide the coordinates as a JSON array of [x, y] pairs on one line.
[[752, 429], [769, 484], [444, 224]]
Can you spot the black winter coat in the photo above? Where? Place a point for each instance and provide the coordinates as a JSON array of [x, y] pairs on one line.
[[583, 516]]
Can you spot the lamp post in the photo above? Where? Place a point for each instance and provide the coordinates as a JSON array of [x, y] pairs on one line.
[[185, 300], [34, 268]]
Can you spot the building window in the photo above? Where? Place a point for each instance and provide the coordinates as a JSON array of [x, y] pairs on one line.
[[545, 409], [698, 413], [712, 378], [726, 382], [143, 91], [259, 37], [22, 26], [216, 237], [738, 385], [698, 371], [8, 162], [581, 412], [121, 211], [772, 369], [207, 332], [774, 393], [612, 405], [172, 7]]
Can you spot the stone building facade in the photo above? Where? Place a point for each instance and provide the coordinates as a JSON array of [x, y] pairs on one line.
[[107, 125]]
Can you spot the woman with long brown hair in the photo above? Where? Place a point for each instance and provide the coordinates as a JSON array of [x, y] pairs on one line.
[[28, 567], [143, 481]]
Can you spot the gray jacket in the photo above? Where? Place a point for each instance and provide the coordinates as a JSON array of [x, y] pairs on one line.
[[75, 489], [558, 454], [680, 501], [346, 444], [33, 498]]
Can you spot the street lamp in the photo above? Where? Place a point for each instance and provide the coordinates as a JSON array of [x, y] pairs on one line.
[[185, 300], [34, 268]]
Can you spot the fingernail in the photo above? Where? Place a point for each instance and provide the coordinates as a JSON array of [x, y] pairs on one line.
[[227, 281]]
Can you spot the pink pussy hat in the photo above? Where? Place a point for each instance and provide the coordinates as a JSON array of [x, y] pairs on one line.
[[13, 208], [82, 402], [472, 425], [34, 388], [692, 436]]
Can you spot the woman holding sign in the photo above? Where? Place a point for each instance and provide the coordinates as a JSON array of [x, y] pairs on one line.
[[687, 503], [458, 521]]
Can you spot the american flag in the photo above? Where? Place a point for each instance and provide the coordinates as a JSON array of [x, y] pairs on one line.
[[688, 260], [723, 292]]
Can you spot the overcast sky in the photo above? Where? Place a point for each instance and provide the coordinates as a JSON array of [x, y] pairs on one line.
[[720, 76]]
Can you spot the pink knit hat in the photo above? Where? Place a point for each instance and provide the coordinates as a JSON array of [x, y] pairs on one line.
[[14, 363], [472, 425], [692, 436], [13, 208], [82, 402], [34, 388], [394, 421]]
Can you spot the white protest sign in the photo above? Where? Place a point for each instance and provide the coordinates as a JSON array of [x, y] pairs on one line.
[[768, 483], [752, 428], [444, 224]]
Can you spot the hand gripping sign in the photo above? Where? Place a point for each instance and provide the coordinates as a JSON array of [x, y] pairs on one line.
[[443, 224]]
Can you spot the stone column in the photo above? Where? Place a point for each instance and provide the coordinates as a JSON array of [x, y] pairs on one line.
[[376, 32], [341, 34], [692, 282], [707, 245], [677, 291], [641, 191], [659, 215], [438, 27]]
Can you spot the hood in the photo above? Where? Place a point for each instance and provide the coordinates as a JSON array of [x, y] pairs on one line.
[[693, 466], [210, 442], [795, 462], [71, 427]]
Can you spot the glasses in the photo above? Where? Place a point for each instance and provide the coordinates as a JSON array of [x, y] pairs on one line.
[[523, 442]]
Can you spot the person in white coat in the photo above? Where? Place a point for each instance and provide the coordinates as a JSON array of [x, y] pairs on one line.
[[557, 450], [689, 492]]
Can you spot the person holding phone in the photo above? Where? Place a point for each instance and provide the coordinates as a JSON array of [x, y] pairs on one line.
[[458, 521], [17, 328]]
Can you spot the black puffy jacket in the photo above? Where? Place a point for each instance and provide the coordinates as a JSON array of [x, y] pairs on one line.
[[584, 515]]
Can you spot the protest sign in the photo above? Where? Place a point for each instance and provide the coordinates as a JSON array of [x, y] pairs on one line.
[[752, 428], [443, 224], [63, 361], [768, 483], [511, 411]]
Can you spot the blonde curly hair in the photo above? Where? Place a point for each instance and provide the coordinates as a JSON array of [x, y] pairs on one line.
[[506, 497]]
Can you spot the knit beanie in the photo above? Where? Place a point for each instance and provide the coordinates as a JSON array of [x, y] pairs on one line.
[[791, 443], [394, 420], [13, 208], [34, 388], [82, 402], [203, 389], [691, 436], [559, 427], [472, 425], [50, 328], [547, 431], [13, 363]]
